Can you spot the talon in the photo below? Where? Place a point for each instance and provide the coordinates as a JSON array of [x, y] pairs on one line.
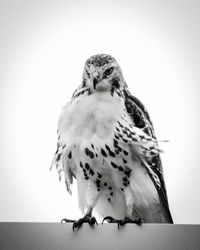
[[93, 221], [138, 222], [120, 223], [128, 220], [66, 221], [109, 219], [76, 224]]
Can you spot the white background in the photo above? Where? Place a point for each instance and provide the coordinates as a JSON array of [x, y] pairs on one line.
[[44, 45]]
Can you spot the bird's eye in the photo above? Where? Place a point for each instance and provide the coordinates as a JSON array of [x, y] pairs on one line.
[[108, 71]]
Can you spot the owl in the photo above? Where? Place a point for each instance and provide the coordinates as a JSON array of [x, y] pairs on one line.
[[106, 141]]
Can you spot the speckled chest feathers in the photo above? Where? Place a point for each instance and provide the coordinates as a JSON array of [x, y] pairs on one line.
[[102, 149], [106, 141]]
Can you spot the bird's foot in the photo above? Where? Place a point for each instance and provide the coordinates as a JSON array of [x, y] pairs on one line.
[[120, 223], [67, 221], [78, 223]]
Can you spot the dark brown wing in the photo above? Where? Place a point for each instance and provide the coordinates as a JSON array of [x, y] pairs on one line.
[[141, 119]]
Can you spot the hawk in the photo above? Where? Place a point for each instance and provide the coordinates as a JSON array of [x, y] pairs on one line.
[[106, 141]]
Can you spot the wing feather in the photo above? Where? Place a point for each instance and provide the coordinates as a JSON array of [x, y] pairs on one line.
[[141, 119], [62, 163]]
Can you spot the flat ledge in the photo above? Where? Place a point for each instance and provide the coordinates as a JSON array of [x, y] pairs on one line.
[[56, 236]]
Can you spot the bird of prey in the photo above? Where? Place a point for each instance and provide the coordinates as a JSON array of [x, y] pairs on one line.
[[106, 141]]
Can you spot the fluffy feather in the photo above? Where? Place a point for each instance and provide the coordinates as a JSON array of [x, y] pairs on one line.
[[104, 148]]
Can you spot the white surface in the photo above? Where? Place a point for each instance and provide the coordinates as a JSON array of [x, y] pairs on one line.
[[44, 45]]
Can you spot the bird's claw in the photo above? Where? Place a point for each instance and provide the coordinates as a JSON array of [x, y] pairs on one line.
[[120, 223], [109, 219], [93, 221], [139, 222], [66, 221], [128, 220], [87, 219], [78, 223]]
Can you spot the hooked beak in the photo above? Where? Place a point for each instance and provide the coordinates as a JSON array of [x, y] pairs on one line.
[[95, 81], [95, 78]]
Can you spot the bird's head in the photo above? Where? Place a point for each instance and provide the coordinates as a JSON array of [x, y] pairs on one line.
[[103, 73]]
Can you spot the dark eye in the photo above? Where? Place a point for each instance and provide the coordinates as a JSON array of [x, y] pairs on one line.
[[108, 71]]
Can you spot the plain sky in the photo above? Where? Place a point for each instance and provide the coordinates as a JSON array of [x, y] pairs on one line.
[[43, 48]]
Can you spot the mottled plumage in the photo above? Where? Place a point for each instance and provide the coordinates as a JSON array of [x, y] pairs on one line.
[[107, 142]]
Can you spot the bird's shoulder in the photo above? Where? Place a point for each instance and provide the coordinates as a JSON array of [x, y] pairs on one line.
[[138, 113]]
